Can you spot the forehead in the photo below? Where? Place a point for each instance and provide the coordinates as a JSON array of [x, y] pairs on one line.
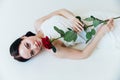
[[23, 51]]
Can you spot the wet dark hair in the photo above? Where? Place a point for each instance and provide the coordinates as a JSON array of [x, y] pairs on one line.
[[14, 48]]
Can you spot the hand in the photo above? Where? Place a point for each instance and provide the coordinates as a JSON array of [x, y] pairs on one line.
[[110, 24], [77, 25]]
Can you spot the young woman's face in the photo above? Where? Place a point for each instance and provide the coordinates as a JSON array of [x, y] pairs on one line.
[[30, 46]]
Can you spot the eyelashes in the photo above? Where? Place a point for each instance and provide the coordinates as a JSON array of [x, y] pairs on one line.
[[27, 45]]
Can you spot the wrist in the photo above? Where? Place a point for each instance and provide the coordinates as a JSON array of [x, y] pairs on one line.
[[104, 29]]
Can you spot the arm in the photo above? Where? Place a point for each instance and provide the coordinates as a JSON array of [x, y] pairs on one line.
[[62, 12], [65, 52]]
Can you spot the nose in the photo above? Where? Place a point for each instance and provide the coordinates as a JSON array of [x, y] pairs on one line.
[[34, 46]]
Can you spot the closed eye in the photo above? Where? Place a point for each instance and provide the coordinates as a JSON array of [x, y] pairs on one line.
[[27, 45]]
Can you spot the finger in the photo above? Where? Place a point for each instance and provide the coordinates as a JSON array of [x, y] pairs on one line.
[[75, 29], [79, 29], [110, 24], [77, 21], [79, 26], [80, 23], [110, 20]]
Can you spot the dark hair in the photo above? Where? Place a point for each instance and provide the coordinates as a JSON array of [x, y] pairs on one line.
[[14, 48]]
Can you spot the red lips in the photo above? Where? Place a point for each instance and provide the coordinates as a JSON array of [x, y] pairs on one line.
[[38, 43]]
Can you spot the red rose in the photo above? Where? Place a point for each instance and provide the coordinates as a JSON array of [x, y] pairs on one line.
[[46, 42]]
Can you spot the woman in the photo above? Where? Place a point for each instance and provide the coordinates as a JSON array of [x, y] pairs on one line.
[[29, 45]]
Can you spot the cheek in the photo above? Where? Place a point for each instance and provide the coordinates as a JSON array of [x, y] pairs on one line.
[[38, 50], [24, 54], [31, 41]]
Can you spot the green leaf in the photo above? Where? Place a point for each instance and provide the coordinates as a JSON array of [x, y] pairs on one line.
[[104, 22], [89, 35], [74, 36], [69, 29], [78, 17], [70, 35], [89, 19], [53, 48], [96, 23], [87, 41], [93, 31], [93, 17], [61, 32], [85, 27]]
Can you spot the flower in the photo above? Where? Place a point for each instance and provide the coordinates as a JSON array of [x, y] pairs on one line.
[[68, 36], [48, 44]]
